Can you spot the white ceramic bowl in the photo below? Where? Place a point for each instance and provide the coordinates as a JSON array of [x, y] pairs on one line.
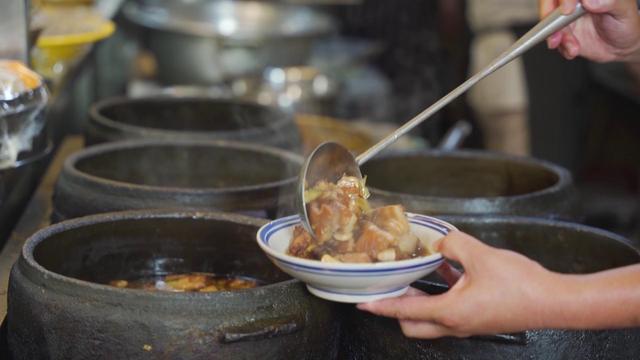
[[353, 283]]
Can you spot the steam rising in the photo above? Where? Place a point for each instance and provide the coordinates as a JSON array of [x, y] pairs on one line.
[[289, 140], [208, 118], [12, 143], [21, 120], [245, 119]]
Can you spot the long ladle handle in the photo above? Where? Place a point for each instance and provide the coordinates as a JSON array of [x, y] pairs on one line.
[[547, 26]]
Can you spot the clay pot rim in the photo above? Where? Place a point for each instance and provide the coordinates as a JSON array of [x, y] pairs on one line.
[[70, 169], [57, 282], [537, 221], [95, 114], [564, 180]]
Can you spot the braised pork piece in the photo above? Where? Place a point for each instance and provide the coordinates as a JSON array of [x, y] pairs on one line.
[[193, 282], [346, 229]]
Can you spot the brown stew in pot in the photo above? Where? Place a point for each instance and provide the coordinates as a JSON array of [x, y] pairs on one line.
[[192, 282]]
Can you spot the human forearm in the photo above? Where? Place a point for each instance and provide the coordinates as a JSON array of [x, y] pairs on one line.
[[608, 299], [502, 291]]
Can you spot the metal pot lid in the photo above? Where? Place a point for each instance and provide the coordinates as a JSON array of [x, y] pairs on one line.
[[238, 20], [285, 86]]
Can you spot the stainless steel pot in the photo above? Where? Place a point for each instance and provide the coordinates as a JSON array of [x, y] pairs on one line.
[[204, 42], [302, 89]]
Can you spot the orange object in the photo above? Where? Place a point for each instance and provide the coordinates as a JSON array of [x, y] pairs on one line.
[[67, 32], [28, 79]]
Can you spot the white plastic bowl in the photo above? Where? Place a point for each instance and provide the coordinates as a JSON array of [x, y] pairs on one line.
[[352, 282]]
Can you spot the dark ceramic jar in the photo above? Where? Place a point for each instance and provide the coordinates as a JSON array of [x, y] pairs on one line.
[[60, 308], [191, 118], [471, 183], [559, 246], [144, 174]]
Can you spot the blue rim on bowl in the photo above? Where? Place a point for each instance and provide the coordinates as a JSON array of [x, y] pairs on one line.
[[351, 282]]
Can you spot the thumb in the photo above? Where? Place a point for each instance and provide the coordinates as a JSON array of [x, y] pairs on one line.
[[459, 247]]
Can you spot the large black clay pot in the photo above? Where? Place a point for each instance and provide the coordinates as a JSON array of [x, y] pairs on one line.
[[16, 187], [559, 246], [191, 118], [471, 183], [219, 175], [58, 307]]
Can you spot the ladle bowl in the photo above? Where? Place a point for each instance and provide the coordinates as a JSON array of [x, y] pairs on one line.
[[329, 162]]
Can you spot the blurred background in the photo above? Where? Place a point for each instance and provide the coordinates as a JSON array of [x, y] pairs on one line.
[[350, 70]]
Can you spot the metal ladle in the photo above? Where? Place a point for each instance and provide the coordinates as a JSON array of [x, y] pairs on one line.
[[330, 160]]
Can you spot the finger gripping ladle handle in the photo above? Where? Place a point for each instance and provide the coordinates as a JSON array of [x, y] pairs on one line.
[[547, 26]]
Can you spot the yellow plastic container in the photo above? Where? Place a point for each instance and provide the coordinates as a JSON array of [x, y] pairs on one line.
[[68, 31]]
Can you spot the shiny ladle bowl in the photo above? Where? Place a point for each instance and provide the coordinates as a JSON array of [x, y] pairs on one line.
[[330, 160]]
